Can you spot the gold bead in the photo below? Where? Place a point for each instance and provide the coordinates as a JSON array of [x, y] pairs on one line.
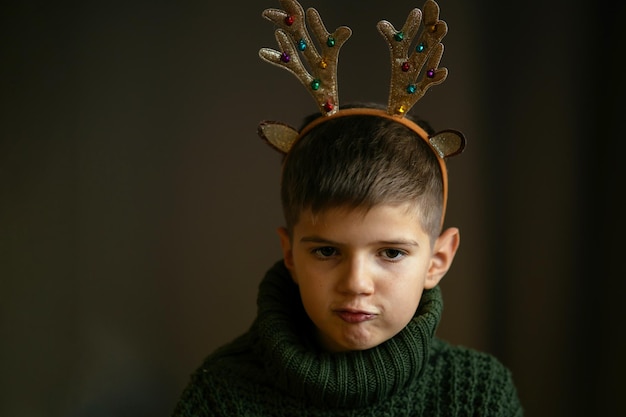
[[323, 64]]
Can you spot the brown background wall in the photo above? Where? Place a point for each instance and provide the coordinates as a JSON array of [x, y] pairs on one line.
[[138, 207]]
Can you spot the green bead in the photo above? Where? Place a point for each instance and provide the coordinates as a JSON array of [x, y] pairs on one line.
[[399, 36], [315, 84], [330, 41]]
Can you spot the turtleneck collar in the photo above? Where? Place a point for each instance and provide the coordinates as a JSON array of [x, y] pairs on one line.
[[346, 379]]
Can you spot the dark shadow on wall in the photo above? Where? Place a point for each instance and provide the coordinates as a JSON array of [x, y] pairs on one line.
[[556, 277]]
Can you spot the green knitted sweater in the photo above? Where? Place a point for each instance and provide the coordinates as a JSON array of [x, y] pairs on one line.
[[275, 369]]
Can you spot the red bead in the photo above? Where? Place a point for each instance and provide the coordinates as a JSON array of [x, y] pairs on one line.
[[328, 106], [289, 20], [406, 66]]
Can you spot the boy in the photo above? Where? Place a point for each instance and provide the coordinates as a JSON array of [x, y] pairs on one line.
[[346, 320]]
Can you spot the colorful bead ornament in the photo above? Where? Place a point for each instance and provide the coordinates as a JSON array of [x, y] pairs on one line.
[[399, 36], [420, 47], [315, 84], [330, 41], [411, 88], [285, 57], [289, 20], [430, 73], [301, 45], [406, 66], [328, 106]]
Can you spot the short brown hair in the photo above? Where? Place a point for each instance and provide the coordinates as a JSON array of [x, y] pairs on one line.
[[361, 161]]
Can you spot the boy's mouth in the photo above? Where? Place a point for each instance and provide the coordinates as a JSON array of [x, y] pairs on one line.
[[354, 316]]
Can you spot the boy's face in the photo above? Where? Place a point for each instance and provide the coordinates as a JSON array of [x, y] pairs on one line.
[[361, 274]]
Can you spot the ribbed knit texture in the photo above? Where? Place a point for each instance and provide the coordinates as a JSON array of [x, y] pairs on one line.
[[275, 369]]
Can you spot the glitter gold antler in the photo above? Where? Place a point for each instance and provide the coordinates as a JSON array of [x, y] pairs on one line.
[[405, 89], [292, 36]]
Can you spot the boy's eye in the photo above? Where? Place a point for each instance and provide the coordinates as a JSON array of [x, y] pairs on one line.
[[325, 251], [392, 253]]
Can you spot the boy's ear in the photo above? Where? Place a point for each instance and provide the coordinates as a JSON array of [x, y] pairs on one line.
[[444, 250], [285, 244]]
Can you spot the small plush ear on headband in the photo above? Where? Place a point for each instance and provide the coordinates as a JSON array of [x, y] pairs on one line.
[[448, 143], [279, 136]]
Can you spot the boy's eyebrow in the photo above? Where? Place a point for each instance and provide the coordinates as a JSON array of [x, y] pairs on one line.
[[406, 242], [318, 239]]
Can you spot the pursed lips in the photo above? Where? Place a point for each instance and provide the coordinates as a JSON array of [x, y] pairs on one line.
[[354, 316]]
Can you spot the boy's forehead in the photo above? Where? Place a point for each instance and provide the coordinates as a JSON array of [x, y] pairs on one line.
[[346, 225]]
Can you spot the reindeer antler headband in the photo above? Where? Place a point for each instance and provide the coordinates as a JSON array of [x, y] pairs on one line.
[[408, 81]]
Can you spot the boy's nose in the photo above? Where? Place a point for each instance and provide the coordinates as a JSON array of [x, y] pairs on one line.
[[357, 277]]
